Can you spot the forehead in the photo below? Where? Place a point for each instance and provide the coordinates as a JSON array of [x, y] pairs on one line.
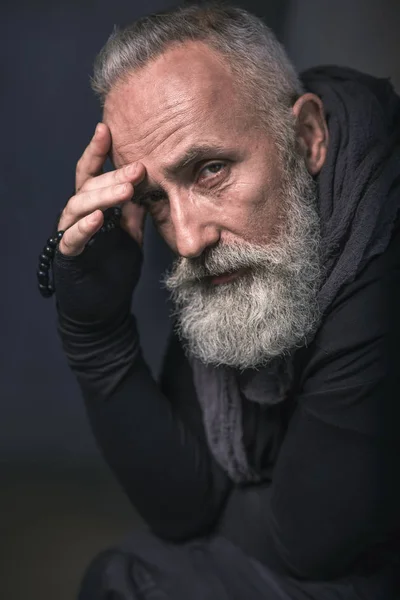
[[187, 92]]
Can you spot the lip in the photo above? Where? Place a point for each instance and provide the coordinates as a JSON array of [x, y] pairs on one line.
[[226, 277]]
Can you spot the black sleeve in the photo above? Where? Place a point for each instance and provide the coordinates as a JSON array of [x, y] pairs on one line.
[[335, 491], [160, 460]]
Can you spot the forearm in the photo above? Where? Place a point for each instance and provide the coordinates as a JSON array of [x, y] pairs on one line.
[[165, 469], [332, 499], [100, 357]]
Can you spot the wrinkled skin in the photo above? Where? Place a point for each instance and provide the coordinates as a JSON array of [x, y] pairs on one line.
[[187, 98]]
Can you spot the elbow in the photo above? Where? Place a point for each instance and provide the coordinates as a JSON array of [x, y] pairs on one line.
[[184, 525], [179, 521]]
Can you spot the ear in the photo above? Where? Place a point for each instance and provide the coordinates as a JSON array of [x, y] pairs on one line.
[[311, 131]]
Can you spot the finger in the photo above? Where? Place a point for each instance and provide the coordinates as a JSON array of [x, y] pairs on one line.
[[132, 220], [92, 160], [87, 202], [133, 173], [76, 237]]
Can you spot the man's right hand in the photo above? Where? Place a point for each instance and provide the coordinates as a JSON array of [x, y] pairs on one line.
[[94, 284], [82, 216]]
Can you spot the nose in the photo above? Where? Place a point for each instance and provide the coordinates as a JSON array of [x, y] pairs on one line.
[[193, 227]]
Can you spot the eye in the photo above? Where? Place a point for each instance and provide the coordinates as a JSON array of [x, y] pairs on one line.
[[211, 170], [156, 196], [151, 198]]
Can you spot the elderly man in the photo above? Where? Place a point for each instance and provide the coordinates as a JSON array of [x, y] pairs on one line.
[[266, 459]]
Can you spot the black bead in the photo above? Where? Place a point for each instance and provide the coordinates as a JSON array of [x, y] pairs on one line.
[[43, 277], [52, 242], [44, 259], [48, 251]]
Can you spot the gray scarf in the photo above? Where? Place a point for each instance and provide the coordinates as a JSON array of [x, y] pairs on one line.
[[358, 202]]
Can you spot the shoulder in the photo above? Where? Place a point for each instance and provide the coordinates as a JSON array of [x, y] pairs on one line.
[[353, 361]]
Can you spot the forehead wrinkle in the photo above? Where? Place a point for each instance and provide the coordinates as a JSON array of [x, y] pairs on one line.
[[152, 120], [155, 129], [152, 127], [137, 152], [162, 120]]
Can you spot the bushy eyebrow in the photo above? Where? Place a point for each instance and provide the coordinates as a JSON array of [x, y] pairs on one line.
[[194, 154]]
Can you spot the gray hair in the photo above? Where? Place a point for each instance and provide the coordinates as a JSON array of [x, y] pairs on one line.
[[262, 71]]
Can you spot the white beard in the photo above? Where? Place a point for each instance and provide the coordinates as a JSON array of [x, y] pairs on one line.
[[269, 310]]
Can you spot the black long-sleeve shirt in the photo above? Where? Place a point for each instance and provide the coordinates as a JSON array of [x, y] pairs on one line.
[[332, 502]]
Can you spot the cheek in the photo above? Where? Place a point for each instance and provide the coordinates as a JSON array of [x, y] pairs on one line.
[[246, 210], [259, 196], [250, 211]]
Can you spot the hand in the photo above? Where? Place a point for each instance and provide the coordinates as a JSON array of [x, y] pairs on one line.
[[82, 217], [94, 284]]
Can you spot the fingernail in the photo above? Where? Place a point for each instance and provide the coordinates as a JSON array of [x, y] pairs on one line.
[[96, 131], [130, 169]]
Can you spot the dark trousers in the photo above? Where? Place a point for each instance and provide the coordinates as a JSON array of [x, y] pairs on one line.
[[146, 568]]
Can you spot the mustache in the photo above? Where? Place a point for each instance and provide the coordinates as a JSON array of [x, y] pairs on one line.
[[222, 259]]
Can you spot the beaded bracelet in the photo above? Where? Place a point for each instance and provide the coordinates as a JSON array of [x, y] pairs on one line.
[[111, 220]]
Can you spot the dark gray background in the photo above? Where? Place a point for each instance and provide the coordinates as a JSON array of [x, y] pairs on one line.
[[48, 115], [53, 478]]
